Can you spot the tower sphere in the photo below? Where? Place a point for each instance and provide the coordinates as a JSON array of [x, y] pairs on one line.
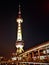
[[19, 20]]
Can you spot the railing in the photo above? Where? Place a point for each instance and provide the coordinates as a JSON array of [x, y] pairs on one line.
[[35, 63], [39, 63]]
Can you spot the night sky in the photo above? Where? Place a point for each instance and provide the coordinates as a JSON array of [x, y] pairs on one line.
[[35, 27]]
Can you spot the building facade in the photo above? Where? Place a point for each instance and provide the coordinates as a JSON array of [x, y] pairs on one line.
[[37, 54]]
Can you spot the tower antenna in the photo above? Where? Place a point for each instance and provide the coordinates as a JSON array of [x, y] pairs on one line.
[[19, 9]]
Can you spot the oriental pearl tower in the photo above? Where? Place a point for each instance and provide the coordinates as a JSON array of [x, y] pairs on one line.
[[19, 41]]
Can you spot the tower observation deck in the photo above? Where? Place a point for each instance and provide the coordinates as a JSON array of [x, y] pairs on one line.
[[19, 41]]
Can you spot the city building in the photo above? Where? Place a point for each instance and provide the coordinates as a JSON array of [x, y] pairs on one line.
[[38, 53]]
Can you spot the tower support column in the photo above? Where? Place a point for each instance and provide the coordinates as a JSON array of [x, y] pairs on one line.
[[39, 54]]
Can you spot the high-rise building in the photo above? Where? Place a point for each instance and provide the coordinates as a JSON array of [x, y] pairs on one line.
[[19, 41]]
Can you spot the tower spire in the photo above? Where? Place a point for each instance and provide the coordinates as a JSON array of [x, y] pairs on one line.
[[19, 41], [19, 9], [19, 12]]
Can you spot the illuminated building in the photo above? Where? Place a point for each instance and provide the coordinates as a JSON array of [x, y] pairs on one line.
[[19, 41], [38, 53]]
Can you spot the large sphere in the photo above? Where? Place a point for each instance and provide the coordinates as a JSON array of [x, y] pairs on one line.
[[19, 20]]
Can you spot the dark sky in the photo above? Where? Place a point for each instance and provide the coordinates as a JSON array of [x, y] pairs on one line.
[[35, 26]]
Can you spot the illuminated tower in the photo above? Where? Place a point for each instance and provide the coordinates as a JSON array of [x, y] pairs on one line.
[[19, 41]]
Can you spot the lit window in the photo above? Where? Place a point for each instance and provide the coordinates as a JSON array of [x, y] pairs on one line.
[[14, 58], [47, 50], [19, 28], [19, 24], [44, 51]]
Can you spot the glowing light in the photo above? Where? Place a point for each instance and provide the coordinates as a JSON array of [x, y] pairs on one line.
[[19, 46], [19, 31], [44, 51], [42, 57], [14, 58], [47, 50], [19, 24], [19, 28], [19, 20], [19, 36]]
